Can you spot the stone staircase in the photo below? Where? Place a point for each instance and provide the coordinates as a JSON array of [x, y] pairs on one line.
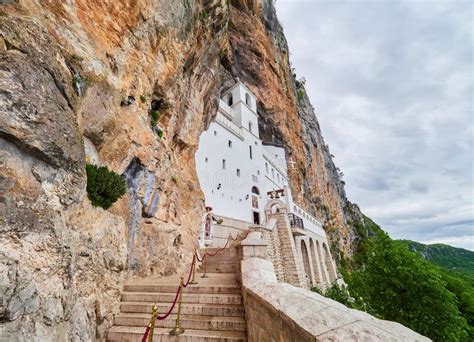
[[212, 310]]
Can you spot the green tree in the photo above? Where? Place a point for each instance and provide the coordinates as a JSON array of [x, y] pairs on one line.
[[104, 187], [399, 285]]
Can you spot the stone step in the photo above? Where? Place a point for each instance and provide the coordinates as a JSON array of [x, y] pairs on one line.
[[186, 308], [196, 322], [218, 269], [187, 298], [228, 252], [202, 289], [225, 261], [135, 334]]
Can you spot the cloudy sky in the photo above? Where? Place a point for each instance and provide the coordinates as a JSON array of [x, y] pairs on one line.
[[392, 83]]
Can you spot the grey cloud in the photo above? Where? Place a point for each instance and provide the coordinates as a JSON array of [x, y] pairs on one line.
[[392, 85]]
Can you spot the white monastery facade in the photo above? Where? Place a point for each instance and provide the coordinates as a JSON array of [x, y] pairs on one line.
[[240, 175]]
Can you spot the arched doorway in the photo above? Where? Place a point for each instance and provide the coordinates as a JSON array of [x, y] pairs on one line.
[[307, 267], [329, 266], [255, 205]]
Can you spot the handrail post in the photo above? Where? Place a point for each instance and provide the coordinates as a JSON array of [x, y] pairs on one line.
[[177, 330], [193, 281], [154, 311], [204, 264]]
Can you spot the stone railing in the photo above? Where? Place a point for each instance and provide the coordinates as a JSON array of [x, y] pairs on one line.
[[225, 109], [281, 312], [229, 125], [310, 222]]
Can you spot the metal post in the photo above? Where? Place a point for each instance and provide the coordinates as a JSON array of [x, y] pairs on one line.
[[204, 263], [154, 311], [177, 330], [193, 281]]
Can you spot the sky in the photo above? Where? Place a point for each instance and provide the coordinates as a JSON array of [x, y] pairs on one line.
[[392, 84]]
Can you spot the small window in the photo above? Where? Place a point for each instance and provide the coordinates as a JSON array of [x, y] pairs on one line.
[[206, 159], [266, 167], [256, 143], [238, 172], [230, 101], [258, 172], [248, 101], [278, 177], [250, 126], [273, 173], [250, 151], [229, 143], [215, 132], [223, 164]]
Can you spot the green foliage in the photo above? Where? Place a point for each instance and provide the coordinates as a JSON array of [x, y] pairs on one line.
[[75, 58], [317, 290], [455, 259], [155, 115], [143, 98], [204, 16], [339, 294], [300, 94], [104, 187], [174, 179], [2, 13], [159, 132], [396, 284]]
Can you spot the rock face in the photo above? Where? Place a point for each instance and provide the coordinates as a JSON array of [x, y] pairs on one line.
[[77, 83], [259, 56]]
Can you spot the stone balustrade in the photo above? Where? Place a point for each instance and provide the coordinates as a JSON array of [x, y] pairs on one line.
[[278, 311]]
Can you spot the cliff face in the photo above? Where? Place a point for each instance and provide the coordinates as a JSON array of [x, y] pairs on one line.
[[65, 70], [259, 55]]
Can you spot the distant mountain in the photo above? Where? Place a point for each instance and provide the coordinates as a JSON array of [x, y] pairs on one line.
[[454, 259]]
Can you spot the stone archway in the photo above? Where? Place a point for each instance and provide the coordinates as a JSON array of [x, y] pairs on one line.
[[329, 265], [324, 277], [316, 263], [306, 264]]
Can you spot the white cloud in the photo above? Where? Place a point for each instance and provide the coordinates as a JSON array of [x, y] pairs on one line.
[[392, 85]]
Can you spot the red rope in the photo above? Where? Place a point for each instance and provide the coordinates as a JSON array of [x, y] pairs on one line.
[[145, 335], [195, 257], [202, 259], [190, 271], [160, 318]]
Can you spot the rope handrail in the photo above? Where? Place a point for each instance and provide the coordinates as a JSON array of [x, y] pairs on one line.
[[182, 285]]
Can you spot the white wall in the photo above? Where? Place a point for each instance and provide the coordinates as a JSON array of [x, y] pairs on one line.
[[267, 169]]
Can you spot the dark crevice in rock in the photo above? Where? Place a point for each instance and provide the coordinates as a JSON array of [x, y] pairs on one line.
[[28, 149], [60, 87], [11, 47]]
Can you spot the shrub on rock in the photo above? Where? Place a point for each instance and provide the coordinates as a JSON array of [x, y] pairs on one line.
[[104, 187]]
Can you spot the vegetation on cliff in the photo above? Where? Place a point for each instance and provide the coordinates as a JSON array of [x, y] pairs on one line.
[[389, 281], [104, 187], [455, 259]]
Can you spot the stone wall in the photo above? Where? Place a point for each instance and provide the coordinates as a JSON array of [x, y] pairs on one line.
[[281, 312]]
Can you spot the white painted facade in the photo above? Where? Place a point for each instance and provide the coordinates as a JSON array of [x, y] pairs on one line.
[[236, 171]]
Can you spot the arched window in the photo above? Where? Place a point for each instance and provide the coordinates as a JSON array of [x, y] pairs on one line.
[[248, 101], [229, 143], [230, 100], [255, 190], [250, 126], [273, 173], [223, 164], [266, 167], [250, 151]]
